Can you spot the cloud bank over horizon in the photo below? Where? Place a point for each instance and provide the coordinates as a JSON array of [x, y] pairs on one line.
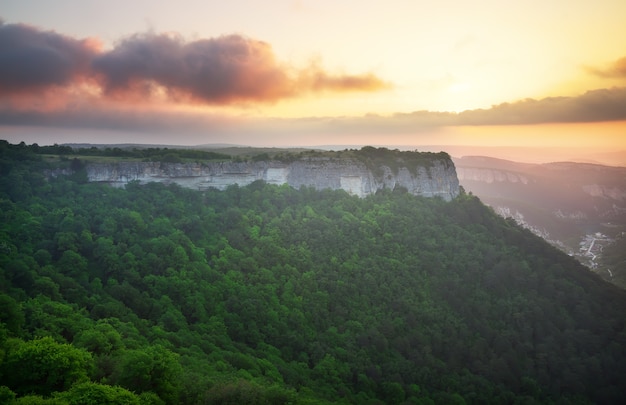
[[593, 106]]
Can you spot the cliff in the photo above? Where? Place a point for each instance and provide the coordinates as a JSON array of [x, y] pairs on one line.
[[563, 180], [437, 178]]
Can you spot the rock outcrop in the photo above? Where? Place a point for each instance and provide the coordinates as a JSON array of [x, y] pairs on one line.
[[436, 179]]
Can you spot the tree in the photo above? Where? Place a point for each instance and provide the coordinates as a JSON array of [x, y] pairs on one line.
[[90, 393], [6, 395], [153, 369], [73, 265], [242, 392], [102, 339], [11, 314], [43, 366]]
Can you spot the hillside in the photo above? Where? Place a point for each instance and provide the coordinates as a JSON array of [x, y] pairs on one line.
[[578, 207], [158, 294]]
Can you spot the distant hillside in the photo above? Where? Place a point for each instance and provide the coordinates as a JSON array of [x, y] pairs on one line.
[[579, 207]]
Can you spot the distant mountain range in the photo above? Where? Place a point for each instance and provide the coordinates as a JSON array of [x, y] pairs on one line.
[[579, 207]]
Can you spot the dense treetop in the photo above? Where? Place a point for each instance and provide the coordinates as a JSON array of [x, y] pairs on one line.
[[264, 294]]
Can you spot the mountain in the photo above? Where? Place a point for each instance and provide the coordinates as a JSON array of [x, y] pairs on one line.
[[581, 208], [154, 293]]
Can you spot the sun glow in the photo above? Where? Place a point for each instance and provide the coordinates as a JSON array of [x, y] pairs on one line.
[[318, 72]]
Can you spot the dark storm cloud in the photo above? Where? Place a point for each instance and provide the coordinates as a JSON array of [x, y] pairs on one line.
[[616, 69], [31, 59]]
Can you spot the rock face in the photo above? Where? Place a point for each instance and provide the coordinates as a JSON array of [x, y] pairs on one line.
[[598, 190], [437, 179]]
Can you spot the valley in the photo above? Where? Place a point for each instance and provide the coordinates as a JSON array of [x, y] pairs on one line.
[[579, 208]]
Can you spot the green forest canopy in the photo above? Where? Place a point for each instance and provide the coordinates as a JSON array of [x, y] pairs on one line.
[[264, 294]]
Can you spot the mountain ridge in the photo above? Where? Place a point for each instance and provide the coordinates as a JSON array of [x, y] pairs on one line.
[[579, 207]]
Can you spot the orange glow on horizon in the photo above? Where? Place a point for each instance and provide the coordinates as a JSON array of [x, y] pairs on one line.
[[601, 135]]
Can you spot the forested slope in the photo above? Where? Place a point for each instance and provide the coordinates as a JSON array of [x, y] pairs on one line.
[[264, 294]]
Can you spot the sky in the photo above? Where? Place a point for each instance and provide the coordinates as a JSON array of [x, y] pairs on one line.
[[548, 76]]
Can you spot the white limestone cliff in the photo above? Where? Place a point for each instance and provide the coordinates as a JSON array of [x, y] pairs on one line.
[[437, 179]]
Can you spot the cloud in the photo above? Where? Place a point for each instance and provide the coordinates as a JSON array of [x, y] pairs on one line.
[[592, 106], [31, 59], [218, 70], [125, 119], [49, 79], [617, 69], [316, 79], [160, 67]]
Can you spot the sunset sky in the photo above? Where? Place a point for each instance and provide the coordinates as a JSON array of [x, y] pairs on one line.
[[490, 73]]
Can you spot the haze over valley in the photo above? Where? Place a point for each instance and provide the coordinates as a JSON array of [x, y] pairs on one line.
[[578, 207]]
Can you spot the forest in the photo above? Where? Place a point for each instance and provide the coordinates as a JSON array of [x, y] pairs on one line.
[[264, 294]]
